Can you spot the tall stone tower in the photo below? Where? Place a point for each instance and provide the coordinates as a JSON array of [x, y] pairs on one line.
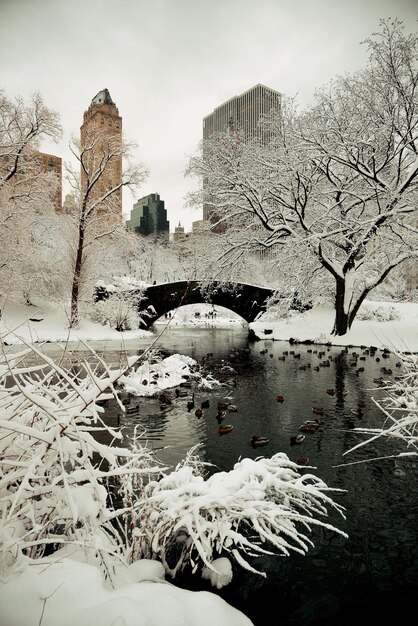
[[102, 130]]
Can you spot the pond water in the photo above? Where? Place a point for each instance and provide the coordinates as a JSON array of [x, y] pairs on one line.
[[373, 575]]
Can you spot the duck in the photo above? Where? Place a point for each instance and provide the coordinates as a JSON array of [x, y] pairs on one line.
[[225, 428], [222, 406], [198, 412], [318, 410], [258, 441], [204, 404], [330, 392], [296, 439], [310, 427], [315, 422], [303, 460], [280, 398], [220, 415]]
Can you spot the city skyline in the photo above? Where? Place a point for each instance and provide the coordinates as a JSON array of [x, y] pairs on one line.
[[170, 63]]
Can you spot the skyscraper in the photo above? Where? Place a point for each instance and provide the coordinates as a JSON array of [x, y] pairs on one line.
[[241, 114], [102, 126], [148, 216]]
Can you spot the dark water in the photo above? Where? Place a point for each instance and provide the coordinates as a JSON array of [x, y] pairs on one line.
[[370, 577]]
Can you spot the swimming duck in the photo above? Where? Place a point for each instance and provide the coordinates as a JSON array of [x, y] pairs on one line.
[[330, 392], [258, 441], [318, 410], [204, 404], [198, 412], [220, 415], [303, 460], [311, 427], [296, 439], [279, 398], [225, 428]]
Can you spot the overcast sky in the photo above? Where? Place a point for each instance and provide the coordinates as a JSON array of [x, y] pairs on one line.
[[168, 63]]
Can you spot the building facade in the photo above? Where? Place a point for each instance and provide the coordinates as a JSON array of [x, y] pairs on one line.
[[51, 164], [242, 115], [149, 216], [100, 133]]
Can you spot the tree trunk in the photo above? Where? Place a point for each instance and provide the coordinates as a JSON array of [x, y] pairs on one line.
[[342, 321], [75, 289]]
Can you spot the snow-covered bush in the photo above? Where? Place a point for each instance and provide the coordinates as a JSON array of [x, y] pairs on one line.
[[381, 313], [118, 304], [118, 311], [261, 506], [53, 471], [400, 409]]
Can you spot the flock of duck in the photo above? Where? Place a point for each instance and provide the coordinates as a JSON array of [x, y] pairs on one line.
[[310, 426]]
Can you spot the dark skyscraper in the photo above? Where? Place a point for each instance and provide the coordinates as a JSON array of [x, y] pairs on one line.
[[148, 216]]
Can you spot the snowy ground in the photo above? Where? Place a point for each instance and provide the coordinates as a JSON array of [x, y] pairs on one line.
[[59, 591], [398, 335]]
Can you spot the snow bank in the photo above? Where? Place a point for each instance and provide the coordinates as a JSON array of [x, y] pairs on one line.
[[399, 335], [149, 379], [67, 592], [49, 322]]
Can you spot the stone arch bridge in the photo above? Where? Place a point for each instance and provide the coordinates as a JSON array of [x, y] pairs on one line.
[[248, 301]]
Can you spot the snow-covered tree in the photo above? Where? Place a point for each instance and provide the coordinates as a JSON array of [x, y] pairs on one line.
[[26, 196], [23, 126], [337, 183], [97, 225]]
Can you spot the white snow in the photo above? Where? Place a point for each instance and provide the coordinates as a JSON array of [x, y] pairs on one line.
[[221, 574], [65, 592], [398, 335]]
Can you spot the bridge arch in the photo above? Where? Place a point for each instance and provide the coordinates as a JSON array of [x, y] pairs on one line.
[[248, 301]]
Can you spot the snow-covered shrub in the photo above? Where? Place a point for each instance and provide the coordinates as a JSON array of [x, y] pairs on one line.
[[116, 303], [53, 471], [262, 506], [118, 311], [400, 409], [380, 313]]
